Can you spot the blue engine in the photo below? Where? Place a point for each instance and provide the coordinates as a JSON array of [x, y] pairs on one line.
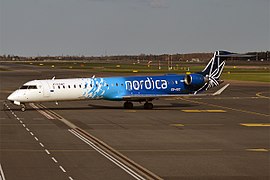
[[195, 80]]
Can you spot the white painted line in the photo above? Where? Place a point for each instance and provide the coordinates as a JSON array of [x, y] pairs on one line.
[[27, 129], [54, 160], [18, 118], [31, 133], [2, 176], [47, 151], [108, 156], [23, 125], [21, 121], [70, 178], [36, 138], [41, 145], [62, 169]]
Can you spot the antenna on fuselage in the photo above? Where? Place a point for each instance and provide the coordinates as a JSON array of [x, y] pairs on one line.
[[53, 78], [93, 76]]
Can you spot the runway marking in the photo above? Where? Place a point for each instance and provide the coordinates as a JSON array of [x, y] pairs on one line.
[[204, 111], [47, 151], [177, 125], [108, 156], [2, 175], [27, 129], [129, 166], [225, 107], [259, 94], [62, 169], [131, 111], [54, 160], [258, 150], [255, 124]]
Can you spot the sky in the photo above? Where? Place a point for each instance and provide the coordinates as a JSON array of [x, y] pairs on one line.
[[132, 27]]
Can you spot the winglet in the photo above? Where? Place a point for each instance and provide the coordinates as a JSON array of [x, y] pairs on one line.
[[220, 90]]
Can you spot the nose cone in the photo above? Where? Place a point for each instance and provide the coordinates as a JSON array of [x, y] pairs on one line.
[[12, 96]]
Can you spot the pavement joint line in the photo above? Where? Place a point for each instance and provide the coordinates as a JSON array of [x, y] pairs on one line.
[[70, 178], [1, 177], [225, 107]]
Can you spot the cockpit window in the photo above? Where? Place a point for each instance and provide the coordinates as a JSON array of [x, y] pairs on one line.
[[32, 87], [24, 87], [28, 87]]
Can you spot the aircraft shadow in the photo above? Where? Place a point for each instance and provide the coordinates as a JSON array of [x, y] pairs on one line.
[[171, 106]]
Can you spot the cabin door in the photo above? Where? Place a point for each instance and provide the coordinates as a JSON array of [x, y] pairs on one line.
[[46, 89]]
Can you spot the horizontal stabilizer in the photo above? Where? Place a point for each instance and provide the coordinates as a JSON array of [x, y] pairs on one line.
[[220, 90]]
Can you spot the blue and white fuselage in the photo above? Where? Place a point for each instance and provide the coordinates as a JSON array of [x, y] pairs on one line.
[[128, 89]]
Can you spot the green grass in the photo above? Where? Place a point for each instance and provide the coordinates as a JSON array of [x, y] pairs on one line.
[[259, 77]]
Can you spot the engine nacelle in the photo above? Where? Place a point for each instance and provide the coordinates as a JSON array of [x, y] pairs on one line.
[[195, 80]]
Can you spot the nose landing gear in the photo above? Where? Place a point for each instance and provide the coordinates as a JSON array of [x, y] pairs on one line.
[[23, 107]]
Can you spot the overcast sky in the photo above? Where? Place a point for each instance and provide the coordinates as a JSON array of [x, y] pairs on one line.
[[118, 27]]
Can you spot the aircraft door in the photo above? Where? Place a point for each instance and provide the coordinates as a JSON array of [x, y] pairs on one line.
[[46, 89]]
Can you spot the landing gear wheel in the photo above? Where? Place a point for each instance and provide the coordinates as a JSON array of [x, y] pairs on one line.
[[148, 105], [128, 105], [23, 108]]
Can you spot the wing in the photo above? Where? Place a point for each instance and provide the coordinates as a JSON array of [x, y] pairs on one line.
[[144, 97]]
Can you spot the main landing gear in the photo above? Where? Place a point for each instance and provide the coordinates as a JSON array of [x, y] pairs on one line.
[[129, 105]]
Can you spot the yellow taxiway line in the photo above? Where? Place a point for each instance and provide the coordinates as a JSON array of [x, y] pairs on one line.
[[204, 111], [255, 124]]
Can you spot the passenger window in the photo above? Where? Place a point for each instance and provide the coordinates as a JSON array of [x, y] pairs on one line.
[[91, 85], [85, 85], [58, 87], [64, 87], [116, 84], [80, 86], [68, 86], [122, 84], [74, 86]]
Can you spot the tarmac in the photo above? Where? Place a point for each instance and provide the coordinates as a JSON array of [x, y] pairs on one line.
[[221, 137]]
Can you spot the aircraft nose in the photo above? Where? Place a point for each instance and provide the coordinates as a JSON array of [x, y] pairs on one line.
[[12, 96]]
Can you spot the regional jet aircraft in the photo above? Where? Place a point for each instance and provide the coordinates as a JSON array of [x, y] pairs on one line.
[[129, 89]]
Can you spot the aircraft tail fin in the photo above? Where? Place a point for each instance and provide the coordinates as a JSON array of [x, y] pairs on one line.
[[214, 68]]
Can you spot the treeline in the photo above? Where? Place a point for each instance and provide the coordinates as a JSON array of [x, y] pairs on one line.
[[191, 57]]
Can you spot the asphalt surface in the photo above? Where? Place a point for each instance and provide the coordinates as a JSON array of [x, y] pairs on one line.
[[224, 137]]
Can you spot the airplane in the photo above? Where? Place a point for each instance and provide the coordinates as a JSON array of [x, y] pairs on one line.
[[129, 89]]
